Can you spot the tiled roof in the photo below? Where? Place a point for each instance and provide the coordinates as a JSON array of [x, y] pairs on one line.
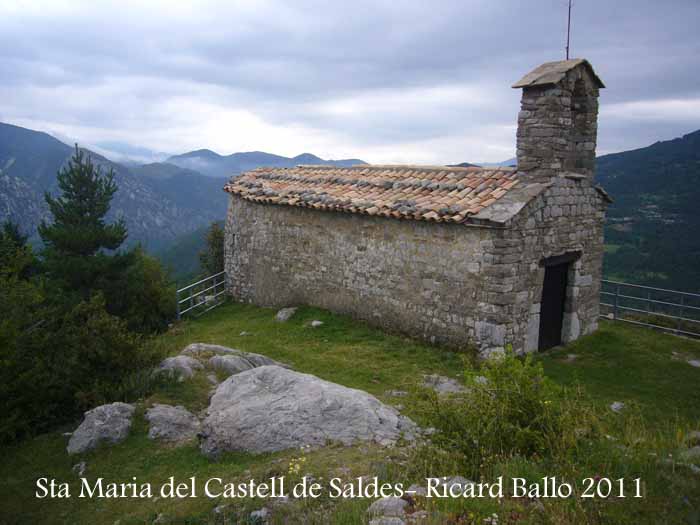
[[437, 194]]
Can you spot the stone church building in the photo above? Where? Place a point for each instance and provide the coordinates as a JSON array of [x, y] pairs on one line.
[[488, 257]]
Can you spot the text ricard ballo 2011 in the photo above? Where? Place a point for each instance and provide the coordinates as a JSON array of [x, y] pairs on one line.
[[362, 487]]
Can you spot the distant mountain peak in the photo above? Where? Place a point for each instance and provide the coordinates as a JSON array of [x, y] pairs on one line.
[[213, 165], [199, 153], [307, 158]]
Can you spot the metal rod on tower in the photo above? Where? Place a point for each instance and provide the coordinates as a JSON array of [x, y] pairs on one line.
[[568, 31]]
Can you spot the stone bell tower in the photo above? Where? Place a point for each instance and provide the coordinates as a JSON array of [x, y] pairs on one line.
[[558, 119]]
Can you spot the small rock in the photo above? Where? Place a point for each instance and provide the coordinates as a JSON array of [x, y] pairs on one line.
[[173, 424], [617, 406], [570, 358], [108, 424], [481, 380], [79, 468], [212, 379], [285, 314], [244, 333], [492, 353], [396, 393], [180, 366], [260, 516], [443, 385], [694, 362], [316, 324], [690, 455], [391, 507], [220, 509], [693, 438]]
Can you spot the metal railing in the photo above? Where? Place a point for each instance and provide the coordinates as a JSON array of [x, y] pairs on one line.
[[202, 296], [668, 310]]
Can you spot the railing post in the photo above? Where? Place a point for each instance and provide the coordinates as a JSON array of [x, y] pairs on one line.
[[177, 302], [649, 302], [679, 325], [617, 301]]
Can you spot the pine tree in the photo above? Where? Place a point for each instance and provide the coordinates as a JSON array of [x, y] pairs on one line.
[[211, 259], [76, 240]]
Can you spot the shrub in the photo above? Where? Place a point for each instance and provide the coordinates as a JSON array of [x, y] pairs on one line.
[[56, 363], [516, 410], [140, 293]]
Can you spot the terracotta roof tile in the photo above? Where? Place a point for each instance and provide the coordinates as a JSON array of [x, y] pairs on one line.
[[422, 193]]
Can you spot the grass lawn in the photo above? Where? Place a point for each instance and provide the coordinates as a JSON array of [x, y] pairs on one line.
[[625, 363], [618, 363]]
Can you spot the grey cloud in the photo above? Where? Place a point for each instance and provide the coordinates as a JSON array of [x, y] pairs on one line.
[[286, 62]]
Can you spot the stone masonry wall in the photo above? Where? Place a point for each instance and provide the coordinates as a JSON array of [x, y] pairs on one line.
[[568, 217], [423, 279], [558, 126]]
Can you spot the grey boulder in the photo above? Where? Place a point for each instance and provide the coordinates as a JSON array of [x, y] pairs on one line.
[[692, 454], [617, 407], [240, 362], [443, 385], [180, 366], [285, 314], [108, 424], [391, 507], [271, 408], [173, 424], [693, 438]]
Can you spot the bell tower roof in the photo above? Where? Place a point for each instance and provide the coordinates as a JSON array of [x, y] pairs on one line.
[[555, 72]]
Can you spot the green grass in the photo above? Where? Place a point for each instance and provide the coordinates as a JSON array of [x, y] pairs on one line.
[[625, 363], [618, 363]]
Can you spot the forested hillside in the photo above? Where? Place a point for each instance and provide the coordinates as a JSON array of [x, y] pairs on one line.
[[653, 227], [157, 207]]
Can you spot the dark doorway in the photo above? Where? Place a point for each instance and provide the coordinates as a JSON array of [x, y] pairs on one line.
[[552, 307]]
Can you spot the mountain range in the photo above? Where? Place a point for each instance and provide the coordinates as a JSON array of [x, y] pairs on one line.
[[652, 230], [161, 201], [212, 164]]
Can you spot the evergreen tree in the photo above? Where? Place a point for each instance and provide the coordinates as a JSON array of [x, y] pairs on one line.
[[10, 234], [77, 238], [211, 258]]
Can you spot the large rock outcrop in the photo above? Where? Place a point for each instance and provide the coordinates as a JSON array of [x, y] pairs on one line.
[[105, 424], [272, 408]]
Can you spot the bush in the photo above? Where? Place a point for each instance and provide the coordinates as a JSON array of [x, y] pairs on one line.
[[57, 363], [516, 410], [140, 293]]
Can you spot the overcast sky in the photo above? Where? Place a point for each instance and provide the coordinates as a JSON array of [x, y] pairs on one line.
[[395, 81]]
